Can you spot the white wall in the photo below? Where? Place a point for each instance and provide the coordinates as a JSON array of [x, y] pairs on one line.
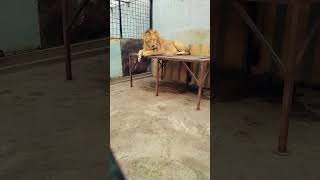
[[183, 20]]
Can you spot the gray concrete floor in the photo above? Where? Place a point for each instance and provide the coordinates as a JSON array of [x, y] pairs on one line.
[[162, 137], [53, 129], [246, 132]]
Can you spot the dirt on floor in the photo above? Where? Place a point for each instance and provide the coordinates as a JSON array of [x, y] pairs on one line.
[[159, 137], [51, 128], [246, 133]]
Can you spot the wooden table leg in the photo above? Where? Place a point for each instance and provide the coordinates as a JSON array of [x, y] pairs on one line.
[[157, 77], [130, 70], [200, 81]]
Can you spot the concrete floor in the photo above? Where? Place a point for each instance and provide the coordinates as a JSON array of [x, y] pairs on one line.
[[53, 129], [246, 132], [162, 137]]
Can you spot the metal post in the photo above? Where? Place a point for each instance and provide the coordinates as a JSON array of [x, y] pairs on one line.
[[66, 40], [289, 78], [200, 81], [130, 70], [151, 9], [120, 19], [157, 76]]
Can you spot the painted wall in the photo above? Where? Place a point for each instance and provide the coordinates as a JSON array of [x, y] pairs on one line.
[[183, 20], [115, 59], [119, 59], [187, 21], [19, 25]]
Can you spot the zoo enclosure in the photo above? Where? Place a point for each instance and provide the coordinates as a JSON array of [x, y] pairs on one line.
[[130, 18]]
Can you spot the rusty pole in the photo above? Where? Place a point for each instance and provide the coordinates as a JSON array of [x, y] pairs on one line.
[[66, 38], [157, 76], [200, 81], [289, 77]]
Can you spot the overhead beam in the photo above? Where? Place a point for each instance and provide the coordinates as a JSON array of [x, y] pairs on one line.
[[83, 4], [257, 32]]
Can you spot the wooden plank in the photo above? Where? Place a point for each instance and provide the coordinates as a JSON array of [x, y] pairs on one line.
[[269, 29], [242, 12], [235, 39], [303, 39], [176, 71]]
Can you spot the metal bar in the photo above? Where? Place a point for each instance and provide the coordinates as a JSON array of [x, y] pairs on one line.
[[307, 42], [120, 19], [289, 78], [130, 70], [83, 4], [200, 84], [257, 32], [204, 77], [157, 77], [190, 71], [66, 40], [151, 9]]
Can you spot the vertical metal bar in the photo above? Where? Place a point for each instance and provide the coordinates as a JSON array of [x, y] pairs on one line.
[[157, 76], [130, 70], [151, 9], [289, 78], [66, 40], [120, 19], [200, 80], [188, 64]]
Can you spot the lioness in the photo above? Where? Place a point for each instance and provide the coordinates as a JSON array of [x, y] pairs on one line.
[[153, 44]]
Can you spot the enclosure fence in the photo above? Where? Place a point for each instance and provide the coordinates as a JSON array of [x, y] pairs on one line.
[[130, 18]]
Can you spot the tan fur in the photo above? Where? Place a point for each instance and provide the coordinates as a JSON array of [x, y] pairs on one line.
[[153, 44]]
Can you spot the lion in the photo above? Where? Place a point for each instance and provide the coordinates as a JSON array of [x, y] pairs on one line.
[[153, 44]]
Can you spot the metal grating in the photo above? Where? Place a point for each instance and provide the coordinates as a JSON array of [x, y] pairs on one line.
[[135, 18]]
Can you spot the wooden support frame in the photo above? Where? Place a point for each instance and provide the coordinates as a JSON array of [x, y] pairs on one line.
[[307, 42], [289, 78], [293, 59], [253, 27], [83, 4]]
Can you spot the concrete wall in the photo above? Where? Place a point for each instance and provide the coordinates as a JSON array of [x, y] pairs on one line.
[[184, 20], [115, 59], [187, 21], [19, 25], [119, 59]]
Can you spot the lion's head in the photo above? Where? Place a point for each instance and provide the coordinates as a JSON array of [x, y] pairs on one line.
[[151, 40]]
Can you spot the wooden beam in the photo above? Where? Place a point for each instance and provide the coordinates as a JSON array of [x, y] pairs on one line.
[[269, 29], [220, 17], [307, 42], [260, 36], [289, 77]]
